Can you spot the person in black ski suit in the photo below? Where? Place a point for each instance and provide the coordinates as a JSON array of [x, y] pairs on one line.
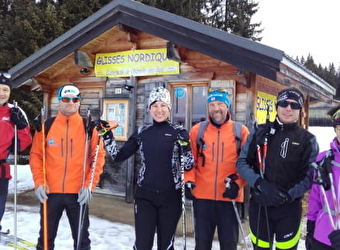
[[279, 180], [158, 204]]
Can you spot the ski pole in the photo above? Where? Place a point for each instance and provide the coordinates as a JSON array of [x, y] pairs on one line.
[[94, 163], [261, 162], [258, 150], [15, 175], [182, 143], [230, 179], [93, 170], [82, 207], [320, 182], [334, 198], [45, 229]]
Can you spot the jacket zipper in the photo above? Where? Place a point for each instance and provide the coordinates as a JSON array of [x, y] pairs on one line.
[[66, 156], [217, 157]]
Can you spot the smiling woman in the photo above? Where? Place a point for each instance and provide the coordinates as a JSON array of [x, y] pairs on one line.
[[159, 189]]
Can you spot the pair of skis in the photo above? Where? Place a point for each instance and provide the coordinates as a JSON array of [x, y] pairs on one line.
[[17, 243]]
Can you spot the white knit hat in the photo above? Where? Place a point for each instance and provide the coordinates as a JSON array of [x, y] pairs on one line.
[[160, 94]]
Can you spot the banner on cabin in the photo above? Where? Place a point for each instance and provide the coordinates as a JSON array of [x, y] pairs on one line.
[[135, 63], [265, 105]]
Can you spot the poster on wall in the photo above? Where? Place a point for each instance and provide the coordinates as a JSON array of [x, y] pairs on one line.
[[116, 113], [265, 106]]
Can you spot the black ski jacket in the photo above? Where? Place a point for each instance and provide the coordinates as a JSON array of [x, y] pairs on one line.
[[160, 155], [290, 152]]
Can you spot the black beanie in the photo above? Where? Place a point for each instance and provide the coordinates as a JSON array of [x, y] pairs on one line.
[[291, 93], [5, 80]]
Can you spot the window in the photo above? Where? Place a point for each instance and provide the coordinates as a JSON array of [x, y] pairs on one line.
[[189, 104]]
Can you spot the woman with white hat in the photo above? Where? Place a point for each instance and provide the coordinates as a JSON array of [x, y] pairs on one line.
[[158, 204]]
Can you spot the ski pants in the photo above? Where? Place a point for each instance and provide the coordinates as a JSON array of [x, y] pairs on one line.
[[3, 196], [283, 221], [208, 215], [317, 245], [56, 204], [156, 211]]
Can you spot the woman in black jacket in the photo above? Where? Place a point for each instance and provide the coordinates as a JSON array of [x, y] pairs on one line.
[[163, 146]]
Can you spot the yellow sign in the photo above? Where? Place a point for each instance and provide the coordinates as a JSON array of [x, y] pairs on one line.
[[135, 63], [265, 103]]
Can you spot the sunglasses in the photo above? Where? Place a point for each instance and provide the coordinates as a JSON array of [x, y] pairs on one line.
[[68, 99], [222, 90], [6, 75], [293, 105]]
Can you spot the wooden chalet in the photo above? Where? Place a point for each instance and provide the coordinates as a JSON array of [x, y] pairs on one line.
[[120, 52]]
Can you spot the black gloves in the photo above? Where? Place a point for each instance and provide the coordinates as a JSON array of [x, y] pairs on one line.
[[183, 139], [334, 237], [104, 128], [18, 118], [323, 174], [37, 122], [310, 233], [189, 186], [269, 194], [231, 187]]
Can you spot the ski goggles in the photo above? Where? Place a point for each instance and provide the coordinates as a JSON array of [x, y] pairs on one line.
[[6, 75], [68, 99], [336, 116], [4, 78], [222, 90], [293, 105]]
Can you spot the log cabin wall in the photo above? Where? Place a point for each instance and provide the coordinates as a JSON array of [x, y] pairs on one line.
[[195, 68]]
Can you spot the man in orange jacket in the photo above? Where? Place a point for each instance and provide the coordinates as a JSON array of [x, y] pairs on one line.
[[64, 168], [215, 161]]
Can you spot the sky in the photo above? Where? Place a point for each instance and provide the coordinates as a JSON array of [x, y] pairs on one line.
[[302, 27], [105, 235]]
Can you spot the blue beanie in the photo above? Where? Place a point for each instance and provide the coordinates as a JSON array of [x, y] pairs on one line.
[[217, 95]]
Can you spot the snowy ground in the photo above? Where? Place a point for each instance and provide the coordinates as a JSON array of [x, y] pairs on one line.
[[105, 235]]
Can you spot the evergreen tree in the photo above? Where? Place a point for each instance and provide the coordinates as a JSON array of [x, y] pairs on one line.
[[25, 28], [28, 25], [190, 9], [234, 16], [73, 12]]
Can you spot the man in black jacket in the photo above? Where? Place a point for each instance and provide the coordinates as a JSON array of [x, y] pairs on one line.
[[276, 162]]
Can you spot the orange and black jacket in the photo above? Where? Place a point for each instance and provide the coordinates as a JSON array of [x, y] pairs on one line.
[[219, 154], [64, 150]]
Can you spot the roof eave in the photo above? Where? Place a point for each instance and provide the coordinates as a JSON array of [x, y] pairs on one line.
[[232, 49]]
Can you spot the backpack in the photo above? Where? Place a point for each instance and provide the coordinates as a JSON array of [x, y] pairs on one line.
[[237, 132], [49, 122]]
